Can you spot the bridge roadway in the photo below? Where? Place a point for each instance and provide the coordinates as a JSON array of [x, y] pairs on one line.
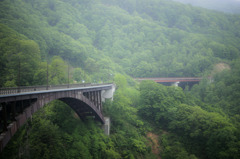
[[18, 104]]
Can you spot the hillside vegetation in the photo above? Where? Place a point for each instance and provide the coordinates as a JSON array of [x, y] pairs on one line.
[[113, 41], [154, 38]]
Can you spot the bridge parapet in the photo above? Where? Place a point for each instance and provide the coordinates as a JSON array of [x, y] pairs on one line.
[[24, 89]]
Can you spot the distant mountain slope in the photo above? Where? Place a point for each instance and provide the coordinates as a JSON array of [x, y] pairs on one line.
[[143, 38]]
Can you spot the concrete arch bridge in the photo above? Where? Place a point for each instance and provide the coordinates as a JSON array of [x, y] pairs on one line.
[[19, 104]]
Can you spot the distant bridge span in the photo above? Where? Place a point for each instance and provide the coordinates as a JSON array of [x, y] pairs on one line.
[[171, 79], [174, 81], [18, 104]]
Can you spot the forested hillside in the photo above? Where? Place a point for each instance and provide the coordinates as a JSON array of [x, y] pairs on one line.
[[155, 38], [114, 41]]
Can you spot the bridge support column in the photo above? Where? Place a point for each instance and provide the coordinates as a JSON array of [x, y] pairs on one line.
[[92, 96], [95, 98], [4, 116], [106, 126], [100, 100], [13, 110], [21, 107], [175, 84]]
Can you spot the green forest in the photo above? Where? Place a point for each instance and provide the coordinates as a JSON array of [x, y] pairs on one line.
[[112, 41]]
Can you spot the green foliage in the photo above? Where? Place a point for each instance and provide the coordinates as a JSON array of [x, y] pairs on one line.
[[57, 71], [220, 92], [40, 76], [205, 134], [79, 75], [120, 81], [157, 100], [172, 148], [20, 58], [127, 129], [141, 38]]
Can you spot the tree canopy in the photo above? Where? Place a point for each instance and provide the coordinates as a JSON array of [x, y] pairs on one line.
[[154, 38]]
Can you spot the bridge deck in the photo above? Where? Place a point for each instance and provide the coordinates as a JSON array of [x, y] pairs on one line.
[[17, 91], [25, 93]]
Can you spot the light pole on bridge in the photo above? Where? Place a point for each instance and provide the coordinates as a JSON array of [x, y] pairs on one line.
[[68, 73], [19, 73], [47, 74]]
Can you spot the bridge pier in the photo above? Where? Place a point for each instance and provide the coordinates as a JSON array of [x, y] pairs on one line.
[[13, 110], [175, 84], [106, 126], [4, 117], [99, 101]]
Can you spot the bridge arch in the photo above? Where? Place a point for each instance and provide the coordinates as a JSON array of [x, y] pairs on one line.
[[84, 108]]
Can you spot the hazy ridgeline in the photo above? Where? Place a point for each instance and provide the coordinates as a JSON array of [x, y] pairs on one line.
[[228, 6]]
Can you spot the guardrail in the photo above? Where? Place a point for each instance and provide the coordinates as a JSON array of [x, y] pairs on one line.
[[15, 90]]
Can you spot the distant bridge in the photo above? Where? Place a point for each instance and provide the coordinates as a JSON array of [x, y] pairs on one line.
[[171, 80], [18, 104]]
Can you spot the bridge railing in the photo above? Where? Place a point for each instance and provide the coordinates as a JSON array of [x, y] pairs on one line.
[[22, 89]]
